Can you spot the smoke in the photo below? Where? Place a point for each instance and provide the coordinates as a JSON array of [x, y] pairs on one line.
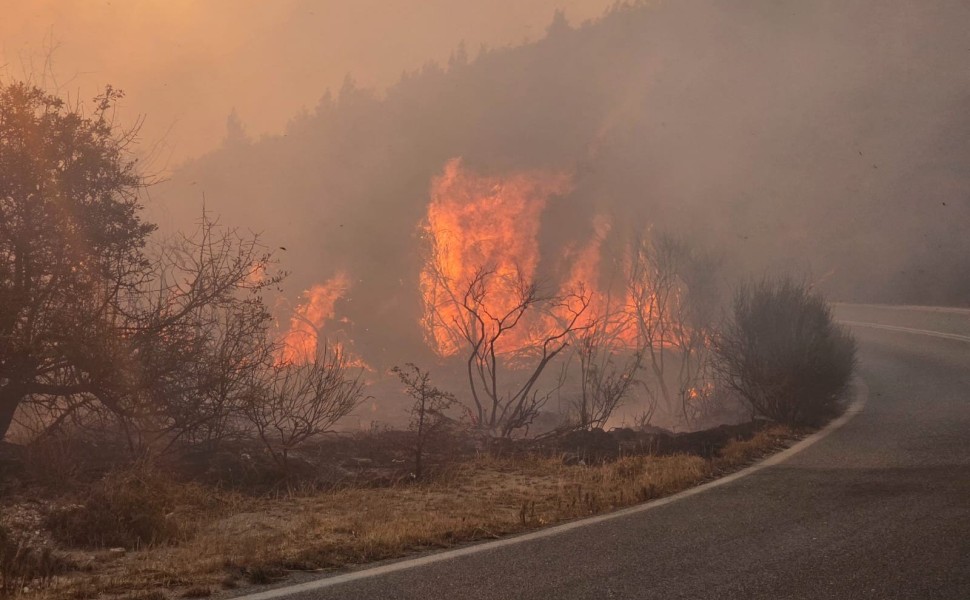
[[826, 138], [187, 64]]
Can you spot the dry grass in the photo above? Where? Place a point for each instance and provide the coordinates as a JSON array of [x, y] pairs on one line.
[[739, 453], [238, 540]]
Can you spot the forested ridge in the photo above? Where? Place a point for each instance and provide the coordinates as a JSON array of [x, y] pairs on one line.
[[785, 135]]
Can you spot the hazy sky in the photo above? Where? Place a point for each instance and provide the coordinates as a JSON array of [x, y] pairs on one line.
[[185, 64]]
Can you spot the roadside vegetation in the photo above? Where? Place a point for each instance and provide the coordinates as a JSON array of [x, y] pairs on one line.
[[140, 531], [157, 437], [783, 352]]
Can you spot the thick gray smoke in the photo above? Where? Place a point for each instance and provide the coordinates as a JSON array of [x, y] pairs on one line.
[[826, 137]]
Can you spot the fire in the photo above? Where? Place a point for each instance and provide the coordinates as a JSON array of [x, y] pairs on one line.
[[477, 223], [299, 343], [610, 309], [482, 222], [486, 228], [585, 269]]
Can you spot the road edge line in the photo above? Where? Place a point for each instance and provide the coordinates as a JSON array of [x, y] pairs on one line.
[[861, 395], [910, 330], [952, 310]]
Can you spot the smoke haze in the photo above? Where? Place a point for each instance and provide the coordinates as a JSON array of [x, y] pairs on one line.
[[826, 137], [187, 64]]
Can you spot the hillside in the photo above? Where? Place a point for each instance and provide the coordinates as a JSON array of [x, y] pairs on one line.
[[823, 137]]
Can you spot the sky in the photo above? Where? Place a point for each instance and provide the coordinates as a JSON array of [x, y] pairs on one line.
[[186, 64]]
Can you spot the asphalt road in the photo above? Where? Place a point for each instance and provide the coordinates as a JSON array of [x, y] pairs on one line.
[[878, 509]]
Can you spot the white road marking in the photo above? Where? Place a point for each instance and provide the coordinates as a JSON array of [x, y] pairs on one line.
[[908, 307], [859, 401], [928, 332]]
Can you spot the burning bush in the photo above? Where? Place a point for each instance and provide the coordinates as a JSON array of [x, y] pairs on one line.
[[784, 354]]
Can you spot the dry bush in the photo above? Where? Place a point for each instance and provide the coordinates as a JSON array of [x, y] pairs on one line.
[[740, 452], [295, 403], [784, 354], [428, 411], [608, 373], [129, 509]]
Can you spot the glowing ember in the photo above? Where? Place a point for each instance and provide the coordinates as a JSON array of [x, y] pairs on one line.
[[480, 222]]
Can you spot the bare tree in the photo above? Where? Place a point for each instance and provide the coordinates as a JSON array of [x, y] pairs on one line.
[[673, 290], [484, 328], [199, 337], [608, 366], [697, 310], [653, 287], [295, 402], [171, 358], [428, 411]]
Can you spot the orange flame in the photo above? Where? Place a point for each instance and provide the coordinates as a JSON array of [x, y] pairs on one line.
[[299, 343], [611, 313], [492, 223], [482, 222]]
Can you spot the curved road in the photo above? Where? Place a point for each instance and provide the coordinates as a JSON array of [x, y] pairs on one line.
[[878, 509]]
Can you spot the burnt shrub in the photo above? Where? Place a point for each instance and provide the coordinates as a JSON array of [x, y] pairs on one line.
[[783, 353], [130, 509]]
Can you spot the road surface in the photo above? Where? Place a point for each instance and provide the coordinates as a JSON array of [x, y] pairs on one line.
[[880, 508]]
